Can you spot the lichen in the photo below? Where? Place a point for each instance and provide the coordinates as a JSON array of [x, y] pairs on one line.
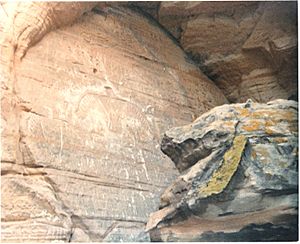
[[270, 131], [263, 154], [252, 125], [228, 123], [222, 176], [279, 140], [244, 112], [253, 154], [275, 116]]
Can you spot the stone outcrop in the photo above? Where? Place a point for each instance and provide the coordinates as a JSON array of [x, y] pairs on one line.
[[89, 88], [42, 16], [249, 49], [84, 107], [239, 179]]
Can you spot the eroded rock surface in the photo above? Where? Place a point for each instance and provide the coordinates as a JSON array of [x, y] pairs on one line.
[[248, 48], [239, 178], [81, 120]]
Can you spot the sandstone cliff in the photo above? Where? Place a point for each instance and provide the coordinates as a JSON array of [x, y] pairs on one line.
[[88, 90], [249, 49], [83, 111]]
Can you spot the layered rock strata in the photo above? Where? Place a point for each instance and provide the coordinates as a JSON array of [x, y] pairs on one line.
[[83, 111], [249, 49], [239, 179]]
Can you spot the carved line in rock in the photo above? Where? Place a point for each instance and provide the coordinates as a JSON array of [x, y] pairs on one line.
[[104, 101]]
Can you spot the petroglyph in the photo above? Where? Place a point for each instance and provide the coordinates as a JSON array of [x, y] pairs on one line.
[[94, 110], [108, 112]]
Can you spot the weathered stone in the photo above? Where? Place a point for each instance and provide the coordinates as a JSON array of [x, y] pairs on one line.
[[150, 7], [249, 49], [82, 114], [246, 189]]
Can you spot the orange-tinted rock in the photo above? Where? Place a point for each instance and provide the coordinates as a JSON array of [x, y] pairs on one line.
[[248, 48], [82, 117], [239, 180]]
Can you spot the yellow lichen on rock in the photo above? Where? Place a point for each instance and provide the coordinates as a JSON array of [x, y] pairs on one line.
[[275, 116], [253, 125], [279, 140], [222, 176], [243, 112]]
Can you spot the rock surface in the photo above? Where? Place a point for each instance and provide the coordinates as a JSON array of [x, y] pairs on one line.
[[249, 49], [83, 111], [239, 178]]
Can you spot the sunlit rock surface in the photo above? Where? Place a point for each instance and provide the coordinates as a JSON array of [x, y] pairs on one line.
[[249, 49], [83, 110], [239, 178]]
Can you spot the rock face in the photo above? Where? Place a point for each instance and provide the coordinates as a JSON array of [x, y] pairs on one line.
[[21, 35], [83, 111], [239, 178], [249, 49]]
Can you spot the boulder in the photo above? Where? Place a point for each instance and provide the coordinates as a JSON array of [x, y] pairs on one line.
[[85, 103], [239, 176]]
